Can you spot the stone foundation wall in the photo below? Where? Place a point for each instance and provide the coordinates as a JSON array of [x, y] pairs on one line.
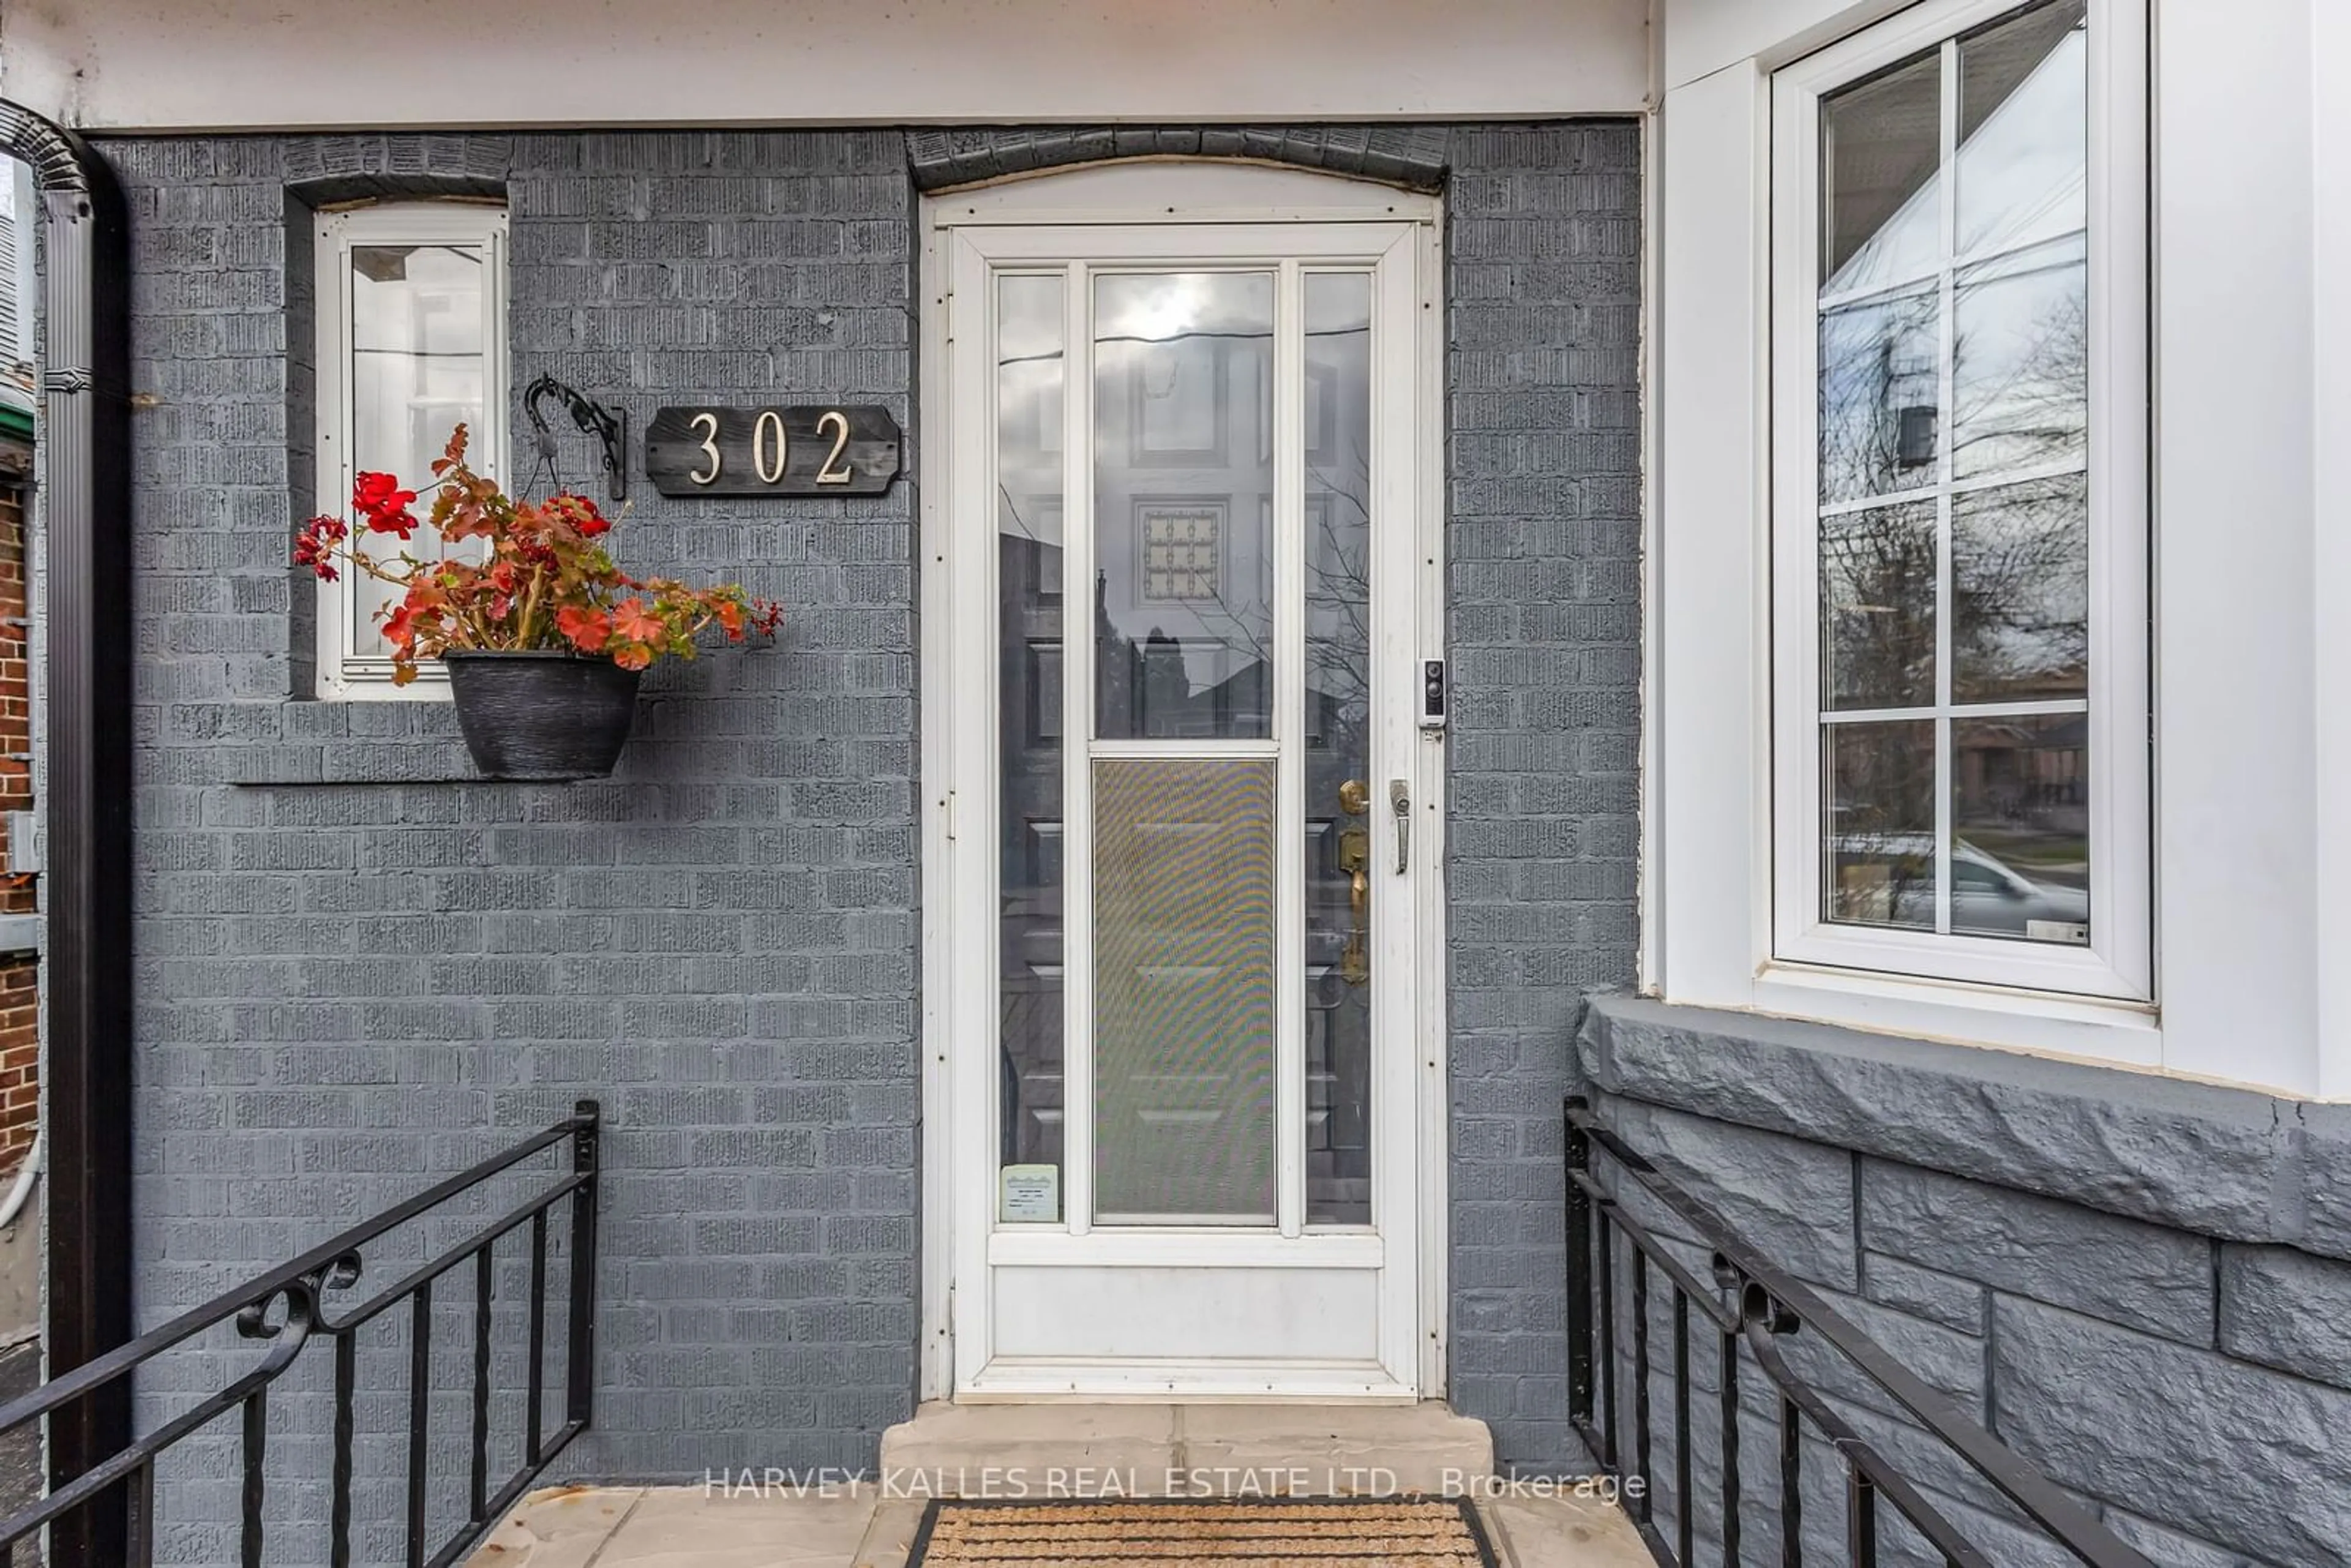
[[2140, 1284]]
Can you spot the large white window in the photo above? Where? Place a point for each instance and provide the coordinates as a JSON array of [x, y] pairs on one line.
[[2211, 216], [412, 341], [1959, 562]]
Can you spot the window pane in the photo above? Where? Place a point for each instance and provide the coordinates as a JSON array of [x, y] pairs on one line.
[[1183, 513], [1877, 607], [2021, 377], [2020, 591], [1184, 1036], [1337, 411], [417, 371], [1030, 368], [2020, 808], [1877, 798], [2024, 130], [1881, 397], [1881, 148]]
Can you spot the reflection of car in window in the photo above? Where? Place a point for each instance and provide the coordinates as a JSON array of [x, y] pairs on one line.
[[1989, 897]]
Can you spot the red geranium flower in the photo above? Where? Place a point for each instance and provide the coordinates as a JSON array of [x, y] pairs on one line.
[[400, 629], [379, 498], [314, 547]]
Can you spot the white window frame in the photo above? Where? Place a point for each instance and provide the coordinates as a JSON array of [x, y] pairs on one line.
[[2249, 195], [343, 672], [2119, 961]]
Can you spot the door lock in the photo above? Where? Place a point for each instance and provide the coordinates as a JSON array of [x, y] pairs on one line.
[[1355, 859]]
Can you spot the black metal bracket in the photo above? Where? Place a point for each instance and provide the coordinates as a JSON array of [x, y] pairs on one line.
[[610, 426]]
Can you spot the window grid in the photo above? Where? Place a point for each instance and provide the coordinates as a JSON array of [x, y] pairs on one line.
[[1948, 485]]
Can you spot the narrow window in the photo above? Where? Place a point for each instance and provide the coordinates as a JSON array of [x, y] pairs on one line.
[[1959, 555], [412, 342]]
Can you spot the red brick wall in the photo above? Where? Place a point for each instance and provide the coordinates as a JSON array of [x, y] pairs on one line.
[[20, 1045]]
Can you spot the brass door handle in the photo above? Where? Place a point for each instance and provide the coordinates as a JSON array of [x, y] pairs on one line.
[[1355, 859]]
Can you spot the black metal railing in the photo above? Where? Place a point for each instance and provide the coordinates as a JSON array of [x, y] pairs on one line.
[[1750, 1302], [290, 1306]]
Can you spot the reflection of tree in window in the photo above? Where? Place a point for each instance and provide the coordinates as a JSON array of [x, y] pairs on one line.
[[1956, 272]]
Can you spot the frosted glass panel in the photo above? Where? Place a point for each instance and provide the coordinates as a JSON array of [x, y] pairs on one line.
[[1183, 1021]]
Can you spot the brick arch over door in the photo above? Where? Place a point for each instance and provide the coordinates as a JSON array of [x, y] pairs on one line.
[[1410, 156]]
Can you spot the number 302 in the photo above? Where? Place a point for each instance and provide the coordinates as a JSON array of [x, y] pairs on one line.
[[771, 447]]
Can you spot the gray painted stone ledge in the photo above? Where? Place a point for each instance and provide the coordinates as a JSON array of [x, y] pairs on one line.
[[301, 741], [2232, 1162], [347, 762]]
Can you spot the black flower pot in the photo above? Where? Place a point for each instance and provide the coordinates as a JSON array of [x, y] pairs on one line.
[[543, 715]]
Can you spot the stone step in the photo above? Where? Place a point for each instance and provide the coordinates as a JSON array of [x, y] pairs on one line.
[[821, 1520], [1198, 1450]]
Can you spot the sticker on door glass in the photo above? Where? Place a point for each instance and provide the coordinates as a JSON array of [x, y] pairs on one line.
[[1180, 552], [1032, 1194]]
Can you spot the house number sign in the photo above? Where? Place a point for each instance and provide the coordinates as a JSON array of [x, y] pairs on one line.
[[850, 450]]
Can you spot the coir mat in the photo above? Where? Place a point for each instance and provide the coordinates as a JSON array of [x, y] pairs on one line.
[[1226, 1533]]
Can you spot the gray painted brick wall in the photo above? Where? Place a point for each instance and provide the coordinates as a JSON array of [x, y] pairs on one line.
[[1542, 595], [358, 970], [2172, 1355], [345, 989]]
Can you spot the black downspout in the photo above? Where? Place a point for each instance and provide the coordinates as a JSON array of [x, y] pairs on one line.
[[83, 444]]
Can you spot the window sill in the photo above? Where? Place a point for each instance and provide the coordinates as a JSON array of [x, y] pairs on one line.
[[2093, 1028], [430, 687], [1992, 965]]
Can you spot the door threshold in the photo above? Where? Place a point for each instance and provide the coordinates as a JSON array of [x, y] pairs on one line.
[[1145, 1448], [1022, 1380]]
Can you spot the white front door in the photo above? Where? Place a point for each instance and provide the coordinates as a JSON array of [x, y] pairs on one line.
[[1183, 1053]]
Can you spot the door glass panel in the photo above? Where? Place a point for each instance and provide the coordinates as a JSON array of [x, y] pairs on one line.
[[1184, 988], [1182, 590], [1337, 410], [1029, 380]]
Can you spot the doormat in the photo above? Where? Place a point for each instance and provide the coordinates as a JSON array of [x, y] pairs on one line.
[[1254, 1532]]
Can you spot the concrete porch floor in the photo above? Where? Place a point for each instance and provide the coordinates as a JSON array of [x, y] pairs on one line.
[[683, 1527], [785, 1521]]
